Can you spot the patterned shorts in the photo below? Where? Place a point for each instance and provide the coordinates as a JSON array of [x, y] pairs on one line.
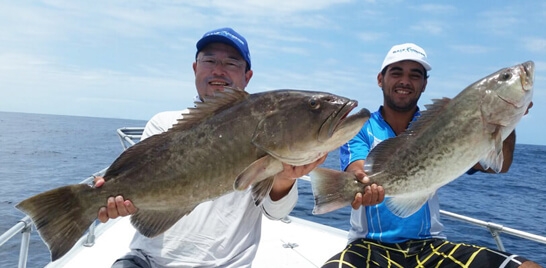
[[420, 253]]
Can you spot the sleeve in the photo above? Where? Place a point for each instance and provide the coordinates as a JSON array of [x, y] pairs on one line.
[[355, 149], [160, 123], [152, 127], [276, 210]]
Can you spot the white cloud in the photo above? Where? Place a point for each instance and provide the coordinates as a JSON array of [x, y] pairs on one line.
[[268, 6], [434, 27], [499, 22], [437, 8], [370, 36], [471, 49], [535, 44]]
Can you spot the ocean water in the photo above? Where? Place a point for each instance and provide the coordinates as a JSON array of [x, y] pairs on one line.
[[39, 152]]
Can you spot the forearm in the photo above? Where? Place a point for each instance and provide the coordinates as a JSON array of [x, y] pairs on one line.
[[281, 187], [508, 147], [355, 166]]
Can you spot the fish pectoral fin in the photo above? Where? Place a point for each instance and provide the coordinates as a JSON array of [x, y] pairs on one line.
[[493, 161], [404, 207], [259, 170], [494, 158], [332, 189], [261, 189], [151, 223]]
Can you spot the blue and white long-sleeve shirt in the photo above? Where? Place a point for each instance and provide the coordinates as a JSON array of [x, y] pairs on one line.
[[378, 222]]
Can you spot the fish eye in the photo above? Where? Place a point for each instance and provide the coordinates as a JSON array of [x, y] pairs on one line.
[[506, 76], [314, 103]]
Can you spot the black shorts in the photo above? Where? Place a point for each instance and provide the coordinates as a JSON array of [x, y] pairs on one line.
[[420, 253]]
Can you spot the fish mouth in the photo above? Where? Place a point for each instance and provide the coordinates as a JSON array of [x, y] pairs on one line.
[[527, 75], [335, 120]]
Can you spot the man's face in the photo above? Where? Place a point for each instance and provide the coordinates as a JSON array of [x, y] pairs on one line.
[[402, 85], [219, 65]]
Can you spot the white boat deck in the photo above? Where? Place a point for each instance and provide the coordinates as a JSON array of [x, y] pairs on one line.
[[292, 244]]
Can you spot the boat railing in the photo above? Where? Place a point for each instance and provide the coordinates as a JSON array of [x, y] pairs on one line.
[[131, 135], [25, 226]]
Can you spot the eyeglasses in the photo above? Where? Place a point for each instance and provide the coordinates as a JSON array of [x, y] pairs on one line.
[[210, 62]]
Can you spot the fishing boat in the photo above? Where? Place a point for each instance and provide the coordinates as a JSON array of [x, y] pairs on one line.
[[290, 242]]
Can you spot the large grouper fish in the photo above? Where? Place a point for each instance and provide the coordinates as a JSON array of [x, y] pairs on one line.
[[449, 138], [228, 142]]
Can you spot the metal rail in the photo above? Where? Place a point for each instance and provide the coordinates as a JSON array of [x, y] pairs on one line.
[[495, 229], [131, 135]]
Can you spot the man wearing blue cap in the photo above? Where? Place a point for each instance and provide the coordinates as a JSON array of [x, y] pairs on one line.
[[224, 232], [377, 237]]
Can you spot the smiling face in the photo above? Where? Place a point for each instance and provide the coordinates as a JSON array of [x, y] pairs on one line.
[[211, 77], [402, 84]]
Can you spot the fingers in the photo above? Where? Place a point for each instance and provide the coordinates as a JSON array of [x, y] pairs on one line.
[[357, 202], [372, 195], [305, 169], [381, 194], [98, 181], [362, 177], [103, 215], [131, 209], [321, 160], [115, 207], [294, 172]]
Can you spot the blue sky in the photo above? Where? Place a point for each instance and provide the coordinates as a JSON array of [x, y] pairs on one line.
[[132, 59]]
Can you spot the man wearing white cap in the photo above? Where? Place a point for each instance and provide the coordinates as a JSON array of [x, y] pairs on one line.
[[377, 237], [224, 232]]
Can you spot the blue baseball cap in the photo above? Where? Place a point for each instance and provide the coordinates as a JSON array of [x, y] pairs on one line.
[[229, 37]]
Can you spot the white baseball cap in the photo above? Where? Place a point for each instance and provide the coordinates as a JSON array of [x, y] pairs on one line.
[[407, 51]]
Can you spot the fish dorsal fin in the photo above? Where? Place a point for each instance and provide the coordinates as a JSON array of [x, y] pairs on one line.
[[210, 106], [151, 223], [382, 152], [427, 115], [389, 147]]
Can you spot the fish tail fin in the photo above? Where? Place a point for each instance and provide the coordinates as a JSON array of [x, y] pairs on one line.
[[59, 217], [332, 189]]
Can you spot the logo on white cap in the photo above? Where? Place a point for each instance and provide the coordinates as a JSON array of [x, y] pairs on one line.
[[407, 51]]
